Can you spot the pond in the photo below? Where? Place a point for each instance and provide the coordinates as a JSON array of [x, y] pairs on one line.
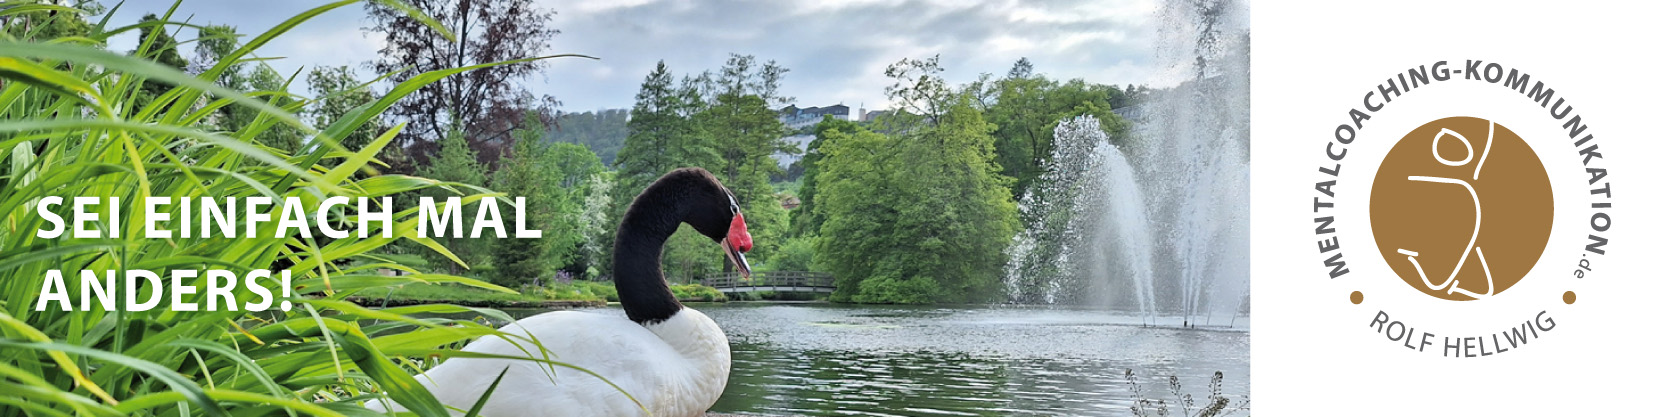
[[820, 359]]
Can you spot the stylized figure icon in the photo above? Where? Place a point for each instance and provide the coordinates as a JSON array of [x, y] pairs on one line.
[[1426, 208], [1451, 284]]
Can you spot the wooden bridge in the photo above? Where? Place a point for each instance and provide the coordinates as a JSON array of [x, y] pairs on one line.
[[777, 281]]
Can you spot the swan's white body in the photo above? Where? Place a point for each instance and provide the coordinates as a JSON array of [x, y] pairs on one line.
[[677, 368], [672, 359]]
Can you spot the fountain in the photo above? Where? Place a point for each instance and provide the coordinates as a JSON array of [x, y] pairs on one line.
[[1157, 224]]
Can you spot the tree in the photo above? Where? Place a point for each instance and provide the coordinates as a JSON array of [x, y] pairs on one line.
[[593, 223], [721, 121], [917, 88], [214, 44], [602, 131], [806, 220], [1027, 108], [795, 254], [741, 75], [484, 104], [338, 92], [455, 163], [918, 217], [745, 133], [550, 177], [570, 168], [263, 80], [156, 44], [661, 137], [53, 24], [522, 175], [689, 255], [767, 221], [736, 118]]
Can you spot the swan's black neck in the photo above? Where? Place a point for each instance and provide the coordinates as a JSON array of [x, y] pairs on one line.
[[651, 219]]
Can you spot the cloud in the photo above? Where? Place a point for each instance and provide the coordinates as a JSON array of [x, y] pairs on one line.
[[836, 51]]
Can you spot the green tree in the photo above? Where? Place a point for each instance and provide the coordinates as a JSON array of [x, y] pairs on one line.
[[735, 117], [768, 223], [915, 218], [721, 121], [550, 177], [1027, 106], [54, 24], [214, 43], [806, 220], [745, 133], [281, 136], [918, 89], [455, 163], [156, 44], [338, 92], [570, 169], [593, 223], [522, 174], [689, 255], [661, 137], [602, 131], [795, 254]]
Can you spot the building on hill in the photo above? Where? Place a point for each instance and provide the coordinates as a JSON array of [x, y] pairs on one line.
[[796, 118]]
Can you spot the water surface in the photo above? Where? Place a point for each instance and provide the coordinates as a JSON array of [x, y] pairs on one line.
[[833, 360]]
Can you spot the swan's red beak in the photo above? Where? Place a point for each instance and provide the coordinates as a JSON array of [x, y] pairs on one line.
[[736, 243]]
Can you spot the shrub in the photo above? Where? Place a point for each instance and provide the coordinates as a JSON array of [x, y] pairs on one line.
[[697, 292], [889, 289], [600, 290], [795, 254]]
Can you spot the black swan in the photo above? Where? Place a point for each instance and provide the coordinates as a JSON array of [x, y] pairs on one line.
[[671, 358]]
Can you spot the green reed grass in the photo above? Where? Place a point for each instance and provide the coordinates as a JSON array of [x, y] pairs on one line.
[[71, 125]]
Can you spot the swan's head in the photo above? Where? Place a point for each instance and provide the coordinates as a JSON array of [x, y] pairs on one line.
[[717, 214]]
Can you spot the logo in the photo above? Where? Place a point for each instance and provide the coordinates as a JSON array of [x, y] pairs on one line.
[[1486, 196], [1461, 208]]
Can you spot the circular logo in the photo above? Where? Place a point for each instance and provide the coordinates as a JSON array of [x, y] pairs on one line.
[[1461, 208]]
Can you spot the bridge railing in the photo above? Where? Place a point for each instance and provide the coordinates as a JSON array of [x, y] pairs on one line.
[[771, 279]]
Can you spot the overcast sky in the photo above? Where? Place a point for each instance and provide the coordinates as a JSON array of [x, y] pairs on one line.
[[836, 50]]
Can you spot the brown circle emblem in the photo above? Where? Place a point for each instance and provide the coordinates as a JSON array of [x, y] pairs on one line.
[[1461, 208]]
